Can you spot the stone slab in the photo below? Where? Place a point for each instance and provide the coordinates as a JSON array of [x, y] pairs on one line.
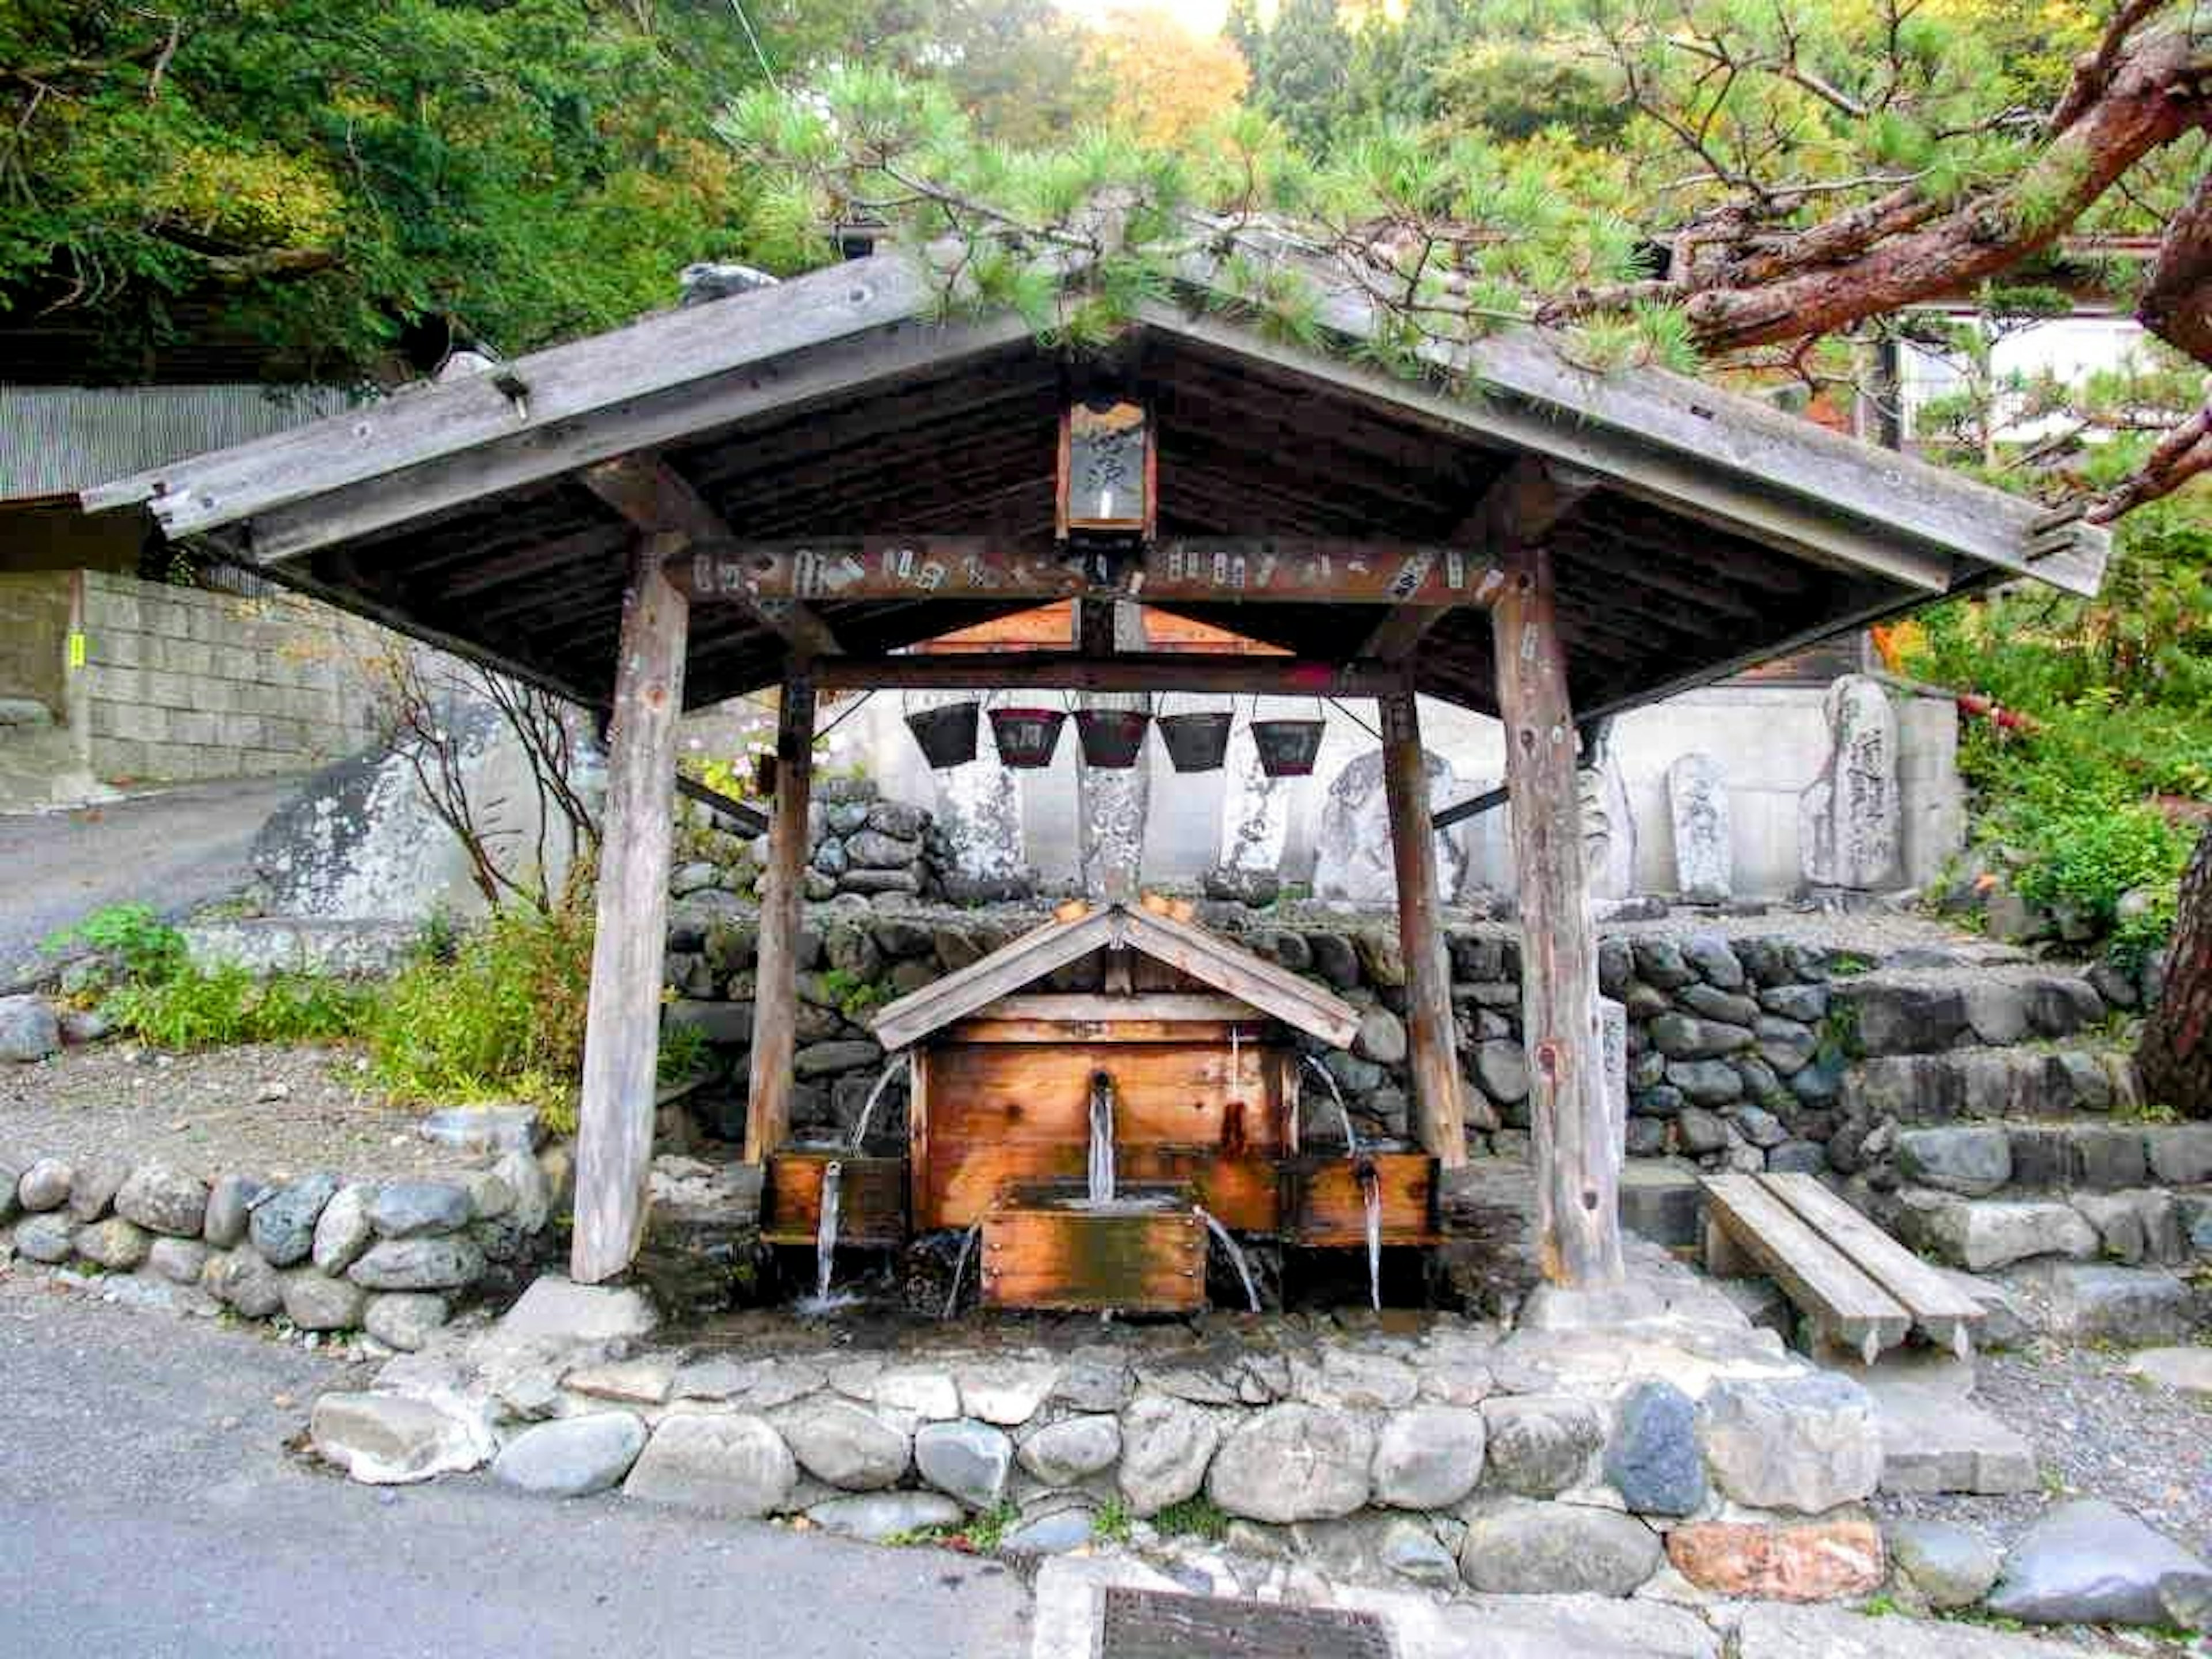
[[1776, 1631]]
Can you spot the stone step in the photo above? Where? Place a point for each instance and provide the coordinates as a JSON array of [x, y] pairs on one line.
[[1984, 1081], [1934, 1438], [1979, 1160], [1897, 1011], [2140, 1224]]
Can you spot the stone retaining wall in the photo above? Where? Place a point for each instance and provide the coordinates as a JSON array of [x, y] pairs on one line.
[[392, 1258], [1451, 1453]]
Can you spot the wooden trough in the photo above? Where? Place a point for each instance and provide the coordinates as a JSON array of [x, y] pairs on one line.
[[870, 1197], [1325, 1200], [1045, 1247]]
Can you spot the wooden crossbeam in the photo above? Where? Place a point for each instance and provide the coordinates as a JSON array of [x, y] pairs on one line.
[[747, 821], [1185, 570], [656, 498], [1523, 505], [1152, 671]]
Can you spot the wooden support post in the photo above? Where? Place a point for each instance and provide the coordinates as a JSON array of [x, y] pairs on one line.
[[1576, 1143], [1439, 1101], [622, 1028], [776, 994]]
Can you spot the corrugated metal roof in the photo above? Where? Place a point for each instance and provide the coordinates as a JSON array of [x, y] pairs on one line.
[[58, 440]]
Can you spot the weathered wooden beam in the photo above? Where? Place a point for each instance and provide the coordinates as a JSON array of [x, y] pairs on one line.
[[1154, 671], [622, 1026], [776, 995], [749, 821], [1209, 569], [656, 498], [1576, 1145], [1439, 1097], [1523, 505]]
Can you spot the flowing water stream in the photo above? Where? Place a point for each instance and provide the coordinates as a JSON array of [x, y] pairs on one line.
[[960, 1266], [1370, 1191], [1343, 1112], [1102, 1139], [868, 1107], [825, 1230], [1236, 1254]]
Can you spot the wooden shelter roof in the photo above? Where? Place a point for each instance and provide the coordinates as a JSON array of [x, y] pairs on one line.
[[1191, 950], [1698, 532]]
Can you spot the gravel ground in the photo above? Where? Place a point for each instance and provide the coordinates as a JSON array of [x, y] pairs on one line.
[[268, 1109], [2098, 1432]]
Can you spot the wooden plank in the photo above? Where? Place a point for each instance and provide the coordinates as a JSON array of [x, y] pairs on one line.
[[1162, 1008], [1147, 671], [775, 997], [870, 1198], [1685, 444], [1018, 963], [1576, 1146], [1816, 1276], [1325, 1204], [653, 495], [1166, 1094], [557, 387], [621, 1024], [1212, 961], [1138, 1262], [1439, 1095], [749, 822], [1190, 569], [1938, 1306]]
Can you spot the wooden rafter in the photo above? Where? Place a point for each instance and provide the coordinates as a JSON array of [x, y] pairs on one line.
[[1071, 671], [653, 496]]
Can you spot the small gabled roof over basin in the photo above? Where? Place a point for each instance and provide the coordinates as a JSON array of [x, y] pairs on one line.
[[1190, 950]]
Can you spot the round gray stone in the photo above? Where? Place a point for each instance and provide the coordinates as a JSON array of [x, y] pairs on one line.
[[1804, 1442], [244, 1283], [1429, 1457], [315, 1302], [179, 1261], [1652, 1460], [1166, 1446], [1381, 1037], [878, 1515], [2091, 1563], [1293, 1463], [405, 1319], [1060, 1454], [1517, 1547], [97, 1182], [845, 1445], [49, 1236], [282, 1227], [1540, 1444], [45, 1185], [163, 1200], [342, 1231], [29, 1030], [115, 1244], [572, 1457], [1950, 1566], [410, 1209], [965, 1459], [419, 1264], [733, 1465], [230, 1206]]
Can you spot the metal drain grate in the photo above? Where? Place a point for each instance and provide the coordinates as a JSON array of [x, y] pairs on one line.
[[1157, 1625]]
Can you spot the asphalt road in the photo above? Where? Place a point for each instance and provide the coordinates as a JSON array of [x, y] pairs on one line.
[[148, 1508], [173, 850]]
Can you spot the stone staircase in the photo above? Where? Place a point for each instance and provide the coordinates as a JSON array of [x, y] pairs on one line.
[[1991, 1120]]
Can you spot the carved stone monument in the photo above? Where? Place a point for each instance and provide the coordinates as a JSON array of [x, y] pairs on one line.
[[1609, 831], [1255, 825], [1353, 859], [1705, 857], [979, 844], [1847, 821]]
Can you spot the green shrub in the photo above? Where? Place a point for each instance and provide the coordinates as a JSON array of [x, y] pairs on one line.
[[149, 948], [2090, 851], [1193, 1517], [502, 1019], [190, 1009]]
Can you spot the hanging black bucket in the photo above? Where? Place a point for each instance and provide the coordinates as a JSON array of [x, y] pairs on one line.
[[1287, 748], [1112, 738], [1196, 743], [946, 733], [1027, 737]]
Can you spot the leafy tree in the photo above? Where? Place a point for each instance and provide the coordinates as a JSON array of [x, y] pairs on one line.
[[1150, 76]]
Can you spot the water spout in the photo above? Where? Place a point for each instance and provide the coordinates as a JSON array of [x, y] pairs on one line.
[[1370, 1191], [1343, 1112], [960, 1266], [868, 1107], [825, 1230], [1102, 1138], [1236, 1257]]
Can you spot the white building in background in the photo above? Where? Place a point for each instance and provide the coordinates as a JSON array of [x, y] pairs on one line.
[[2069, 348]]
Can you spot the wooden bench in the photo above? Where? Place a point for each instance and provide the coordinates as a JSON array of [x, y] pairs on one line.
[[1859, 1287]]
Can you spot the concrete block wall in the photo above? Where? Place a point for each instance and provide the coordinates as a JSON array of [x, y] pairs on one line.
[[181, 683], [34, 613]]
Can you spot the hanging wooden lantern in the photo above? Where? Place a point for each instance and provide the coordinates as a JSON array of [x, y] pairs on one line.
[[1108, 471]]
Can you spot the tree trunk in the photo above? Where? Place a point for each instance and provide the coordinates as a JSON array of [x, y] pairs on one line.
[[2175, 1055]]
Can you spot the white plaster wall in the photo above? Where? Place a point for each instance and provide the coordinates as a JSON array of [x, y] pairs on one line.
[[1770, 742]]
